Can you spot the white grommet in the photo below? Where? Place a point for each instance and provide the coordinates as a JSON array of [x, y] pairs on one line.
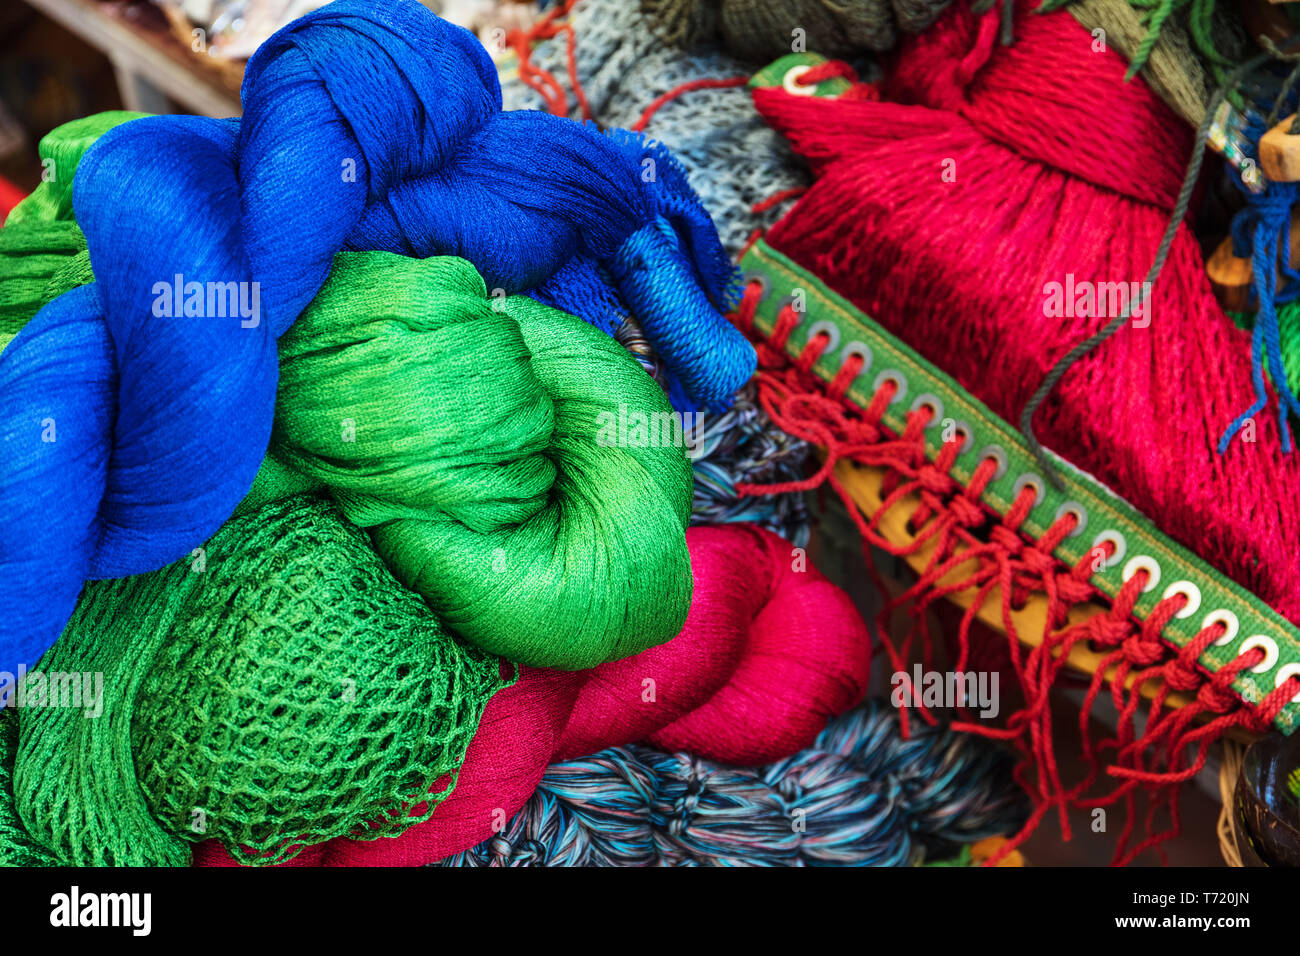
[[1115, 538], [1145, 563], [1267, 645], [796, 89], [1230, 625], [998, 454], [936, 406], [862, 350], [1080, 516], [832, 331], [1284, 674], [788, 301], [961, 427], [895, 376], [1029, 480], [763, 281], [1192, 592]]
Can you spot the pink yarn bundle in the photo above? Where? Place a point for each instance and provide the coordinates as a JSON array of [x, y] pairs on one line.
[[770, 652]]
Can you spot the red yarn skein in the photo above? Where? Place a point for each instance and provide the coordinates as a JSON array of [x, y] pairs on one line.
[[1056, 168]]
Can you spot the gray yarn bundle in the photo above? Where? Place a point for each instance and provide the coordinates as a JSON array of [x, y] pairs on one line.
[[763, 29]]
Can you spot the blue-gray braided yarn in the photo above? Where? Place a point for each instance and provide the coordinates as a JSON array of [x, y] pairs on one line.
[[732, 157], [743, 445], [860, 796], [740, 445]]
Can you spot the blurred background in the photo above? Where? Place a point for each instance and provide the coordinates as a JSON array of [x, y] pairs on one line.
[[63, 59]]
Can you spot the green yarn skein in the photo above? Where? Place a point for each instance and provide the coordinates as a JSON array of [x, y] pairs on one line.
[[275, 690], [477, 439]]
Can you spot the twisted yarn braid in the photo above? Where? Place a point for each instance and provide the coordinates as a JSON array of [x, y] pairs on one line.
[[861, 795]]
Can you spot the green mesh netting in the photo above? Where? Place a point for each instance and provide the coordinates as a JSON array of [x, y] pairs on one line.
[[276, 689]]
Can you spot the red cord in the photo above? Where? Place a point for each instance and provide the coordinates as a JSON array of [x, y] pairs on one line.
[[688, 87], [989, 553]]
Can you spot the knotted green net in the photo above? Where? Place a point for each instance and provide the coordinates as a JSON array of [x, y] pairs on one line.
[[275, 689]]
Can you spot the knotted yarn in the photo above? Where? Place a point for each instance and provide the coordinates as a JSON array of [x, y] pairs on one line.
[[485, 444], [770, 652], [275, 690], [367, 126], [963, 267], [861, 795]]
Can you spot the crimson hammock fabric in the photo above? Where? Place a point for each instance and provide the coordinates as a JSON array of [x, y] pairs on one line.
[[770, 652], [1062, 169]]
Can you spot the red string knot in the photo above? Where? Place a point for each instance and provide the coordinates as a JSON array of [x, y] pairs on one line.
[[1006, 539], [1182, 675], [1108, 631], [1217, 697], [1141, 652]]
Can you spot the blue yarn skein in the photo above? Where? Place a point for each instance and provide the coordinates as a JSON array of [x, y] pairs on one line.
[[129, 437]]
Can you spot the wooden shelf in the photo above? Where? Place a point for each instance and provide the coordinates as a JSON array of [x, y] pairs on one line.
[[154, 68]]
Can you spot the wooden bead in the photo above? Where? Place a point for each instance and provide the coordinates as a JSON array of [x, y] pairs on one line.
[[1279, 153], [1232, 277]]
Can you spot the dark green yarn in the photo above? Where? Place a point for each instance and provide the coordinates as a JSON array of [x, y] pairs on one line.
[[290, 691], [465, 433], [16, 847], [763, 30]]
